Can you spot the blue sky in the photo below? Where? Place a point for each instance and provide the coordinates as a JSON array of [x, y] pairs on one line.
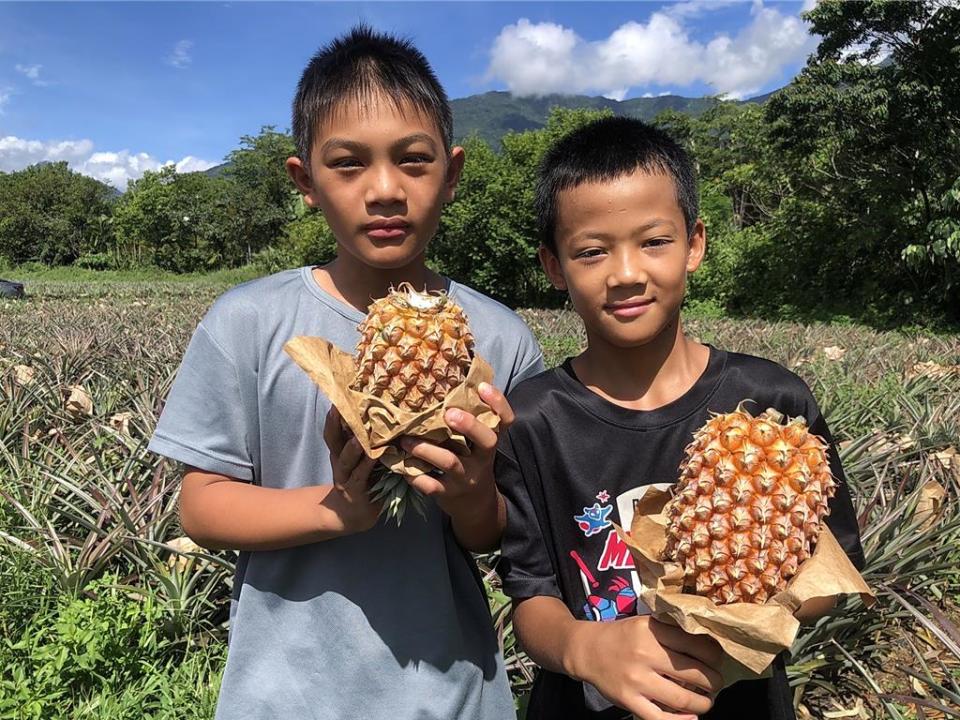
[[118, 88]]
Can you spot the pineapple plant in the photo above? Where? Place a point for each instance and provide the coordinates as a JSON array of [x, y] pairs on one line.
[[414, 349], [749, 505]]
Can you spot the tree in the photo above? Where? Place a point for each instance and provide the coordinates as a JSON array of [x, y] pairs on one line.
[[50, 214], [869, 134], [185, 222], [269, 196]]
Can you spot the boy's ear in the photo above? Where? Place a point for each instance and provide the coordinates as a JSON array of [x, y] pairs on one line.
[[454, 169], [698, 246], [551, 266], [301, 178]]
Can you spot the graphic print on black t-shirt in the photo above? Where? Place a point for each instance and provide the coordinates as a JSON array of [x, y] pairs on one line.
[[611, 584]]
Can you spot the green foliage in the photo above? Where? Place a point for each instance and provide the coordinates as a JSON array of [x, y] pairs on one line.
[[939, 255], [871, 151], [307, 240], [190, 222], [105, 653], [269, 197], [50, 214]]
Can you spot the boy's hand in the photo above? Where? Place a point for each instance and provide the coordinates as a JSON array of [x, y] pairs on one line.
[[465, 478], [648, 667], [814, 609], [351, 475]]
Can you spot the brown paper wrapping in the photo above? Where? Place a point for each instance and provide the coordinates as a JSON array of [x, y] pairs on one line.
[[377, 423], [750, 634]]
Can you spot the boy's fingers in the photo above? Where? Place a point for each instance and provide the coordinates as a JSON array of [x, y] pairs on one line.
[[703, 648], [350, 455], [471, 428], [356, 480], [692, 672], [332, 433], [497, 402], [645, 709], [426, 484], [676, 697], [442, 459]]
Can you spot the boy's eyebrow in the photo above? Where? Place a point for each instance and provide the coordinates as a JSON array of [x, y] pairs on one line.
[[652, 223], [336, 143], [415, 137], [649, 225]]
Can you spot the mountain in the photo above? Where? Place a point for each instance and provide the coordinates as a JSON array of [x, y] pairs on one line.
[[217, 170], [492, 114]]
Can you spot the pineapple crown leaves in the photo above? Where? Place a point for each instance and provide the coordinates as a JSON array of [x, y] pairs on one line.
[[408, 297]]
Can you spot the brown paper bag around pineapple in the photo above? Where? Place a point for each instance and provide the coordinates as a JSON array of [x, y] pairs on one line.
[[401, 335], [750, 633]]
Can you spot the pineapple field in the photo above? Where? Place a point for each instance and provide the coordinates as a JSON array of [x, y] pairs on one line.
[[108, 611]]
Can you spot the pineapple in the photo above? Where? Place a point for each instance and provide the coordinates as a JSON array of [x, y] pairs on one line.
[[749, 505], [414, 349]]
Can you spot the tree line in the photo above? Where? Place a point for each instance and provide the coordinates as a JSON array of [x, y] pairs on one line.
[[838, 196]]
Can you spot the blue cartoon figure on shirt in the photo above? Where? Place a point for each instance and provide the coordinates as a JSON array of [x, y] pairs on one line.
[[594, 519]]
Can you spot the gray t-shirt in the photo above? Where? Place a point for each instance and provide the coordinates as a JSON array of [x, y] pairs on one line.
[[390, 623]]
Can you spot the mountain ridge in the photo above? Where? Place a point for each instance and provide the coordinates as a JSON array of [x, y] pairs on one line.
[[491, 115]]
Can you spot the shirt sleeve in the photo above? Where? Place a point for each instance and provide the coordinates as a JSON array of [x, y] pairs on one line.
[[529, 361], [525, 566], [203, 421]]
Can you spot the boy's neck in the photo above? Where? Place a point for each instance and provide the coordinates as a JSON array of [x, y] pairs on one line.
[[645, 377], [357, 284]]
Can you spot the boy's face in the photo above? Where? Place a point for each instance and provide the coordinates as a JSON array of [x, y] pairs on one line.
[[623, 256], [380, 175]]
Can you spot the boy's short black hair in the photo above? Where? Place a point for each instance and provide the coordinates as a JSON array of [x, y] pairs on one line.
[[356, 66], [605, 150]]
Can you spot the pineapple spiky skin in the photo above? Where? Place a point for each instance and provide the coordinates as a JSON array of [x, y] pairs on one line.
[[752, 496], [414, 348]]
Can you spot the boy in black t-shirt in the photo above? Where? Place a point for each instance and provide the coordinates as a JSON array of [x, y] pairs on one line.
[[617, 212]]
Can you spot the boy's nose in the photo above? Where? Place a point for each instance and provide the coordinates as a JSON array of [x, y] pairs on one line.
[[627, 270], [385, 188]]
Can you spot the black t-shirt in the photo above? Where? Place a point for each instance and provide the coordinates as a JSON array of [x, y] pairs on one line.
[[571, 465]]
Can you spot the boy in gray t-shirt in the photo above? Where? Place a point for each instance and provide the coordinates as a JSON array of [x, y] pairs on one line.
[[336, 614]]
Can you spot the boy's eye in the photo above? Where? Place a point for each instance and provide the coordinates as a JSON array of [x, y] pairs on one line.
[[416, 159], [658, 242], [345, 163], [589, 253]]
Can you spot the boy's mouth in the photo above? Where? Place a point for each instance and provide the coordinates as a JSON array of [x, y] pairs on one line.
[[629, 308], [387, 229]]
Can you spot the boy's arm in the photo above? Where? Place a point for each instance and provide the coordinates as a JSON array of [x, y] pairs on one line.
[[220, 512], [652, 669]]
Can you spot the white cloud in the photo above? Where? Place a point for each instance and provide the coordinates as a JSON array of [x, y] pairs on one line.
[[117, 168], [192, 164], [542, 58], [4, 98], [32, 73], [180, 57], [696, 8]]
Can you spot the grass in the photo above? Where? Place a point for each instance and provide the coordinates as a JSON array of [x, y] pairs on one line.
[[87, 515]]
